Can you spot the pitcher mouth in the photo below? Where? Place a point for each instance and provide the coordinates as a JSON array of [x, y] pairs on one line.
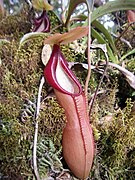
[[59, 76]]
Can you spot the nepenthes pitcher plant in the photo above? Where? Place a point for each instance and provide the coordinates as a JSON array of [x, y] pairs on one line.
[[77, 140]]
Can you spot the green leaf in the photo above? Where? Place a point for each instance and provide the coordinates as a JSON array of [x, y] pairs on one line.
[[31, 35], [105, 32], [128, 54], [98, 26], [101, 40], [112, 7], [80, 17], [74, 3], [133, 94], [2, 42]]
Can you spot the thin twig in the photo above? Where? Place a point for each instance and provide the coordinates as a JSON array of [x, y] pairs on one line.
[[96, 92], [36, 130], [55, 28], [39, 97], [89, 58], [90, 6], [122, 40], [122, 33], [35, 152]]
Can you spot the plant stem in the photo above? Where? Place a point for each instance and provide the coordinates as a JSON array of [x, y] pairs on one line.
[[36, 131], [101, 80], [89, 58], [35, 152]]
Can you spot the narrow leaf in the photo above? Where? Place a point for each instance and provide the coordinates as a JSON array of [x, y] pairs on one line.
[[31, 35], [113, 6], [105, 32], [73, 4], [80, 17], [101, 40], [128, 54]]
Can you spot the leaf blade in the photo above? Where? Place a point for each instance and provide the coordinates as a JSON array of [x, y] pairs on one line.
[[101, 40], [106, 33], [113, 6]]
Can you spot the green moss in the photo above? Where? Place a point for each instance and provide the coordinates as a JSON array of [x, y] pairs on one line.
[[14, 26], [21, 70], [14, 147], [131, 64], [56, 24], [52, 119], [116, 145]]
